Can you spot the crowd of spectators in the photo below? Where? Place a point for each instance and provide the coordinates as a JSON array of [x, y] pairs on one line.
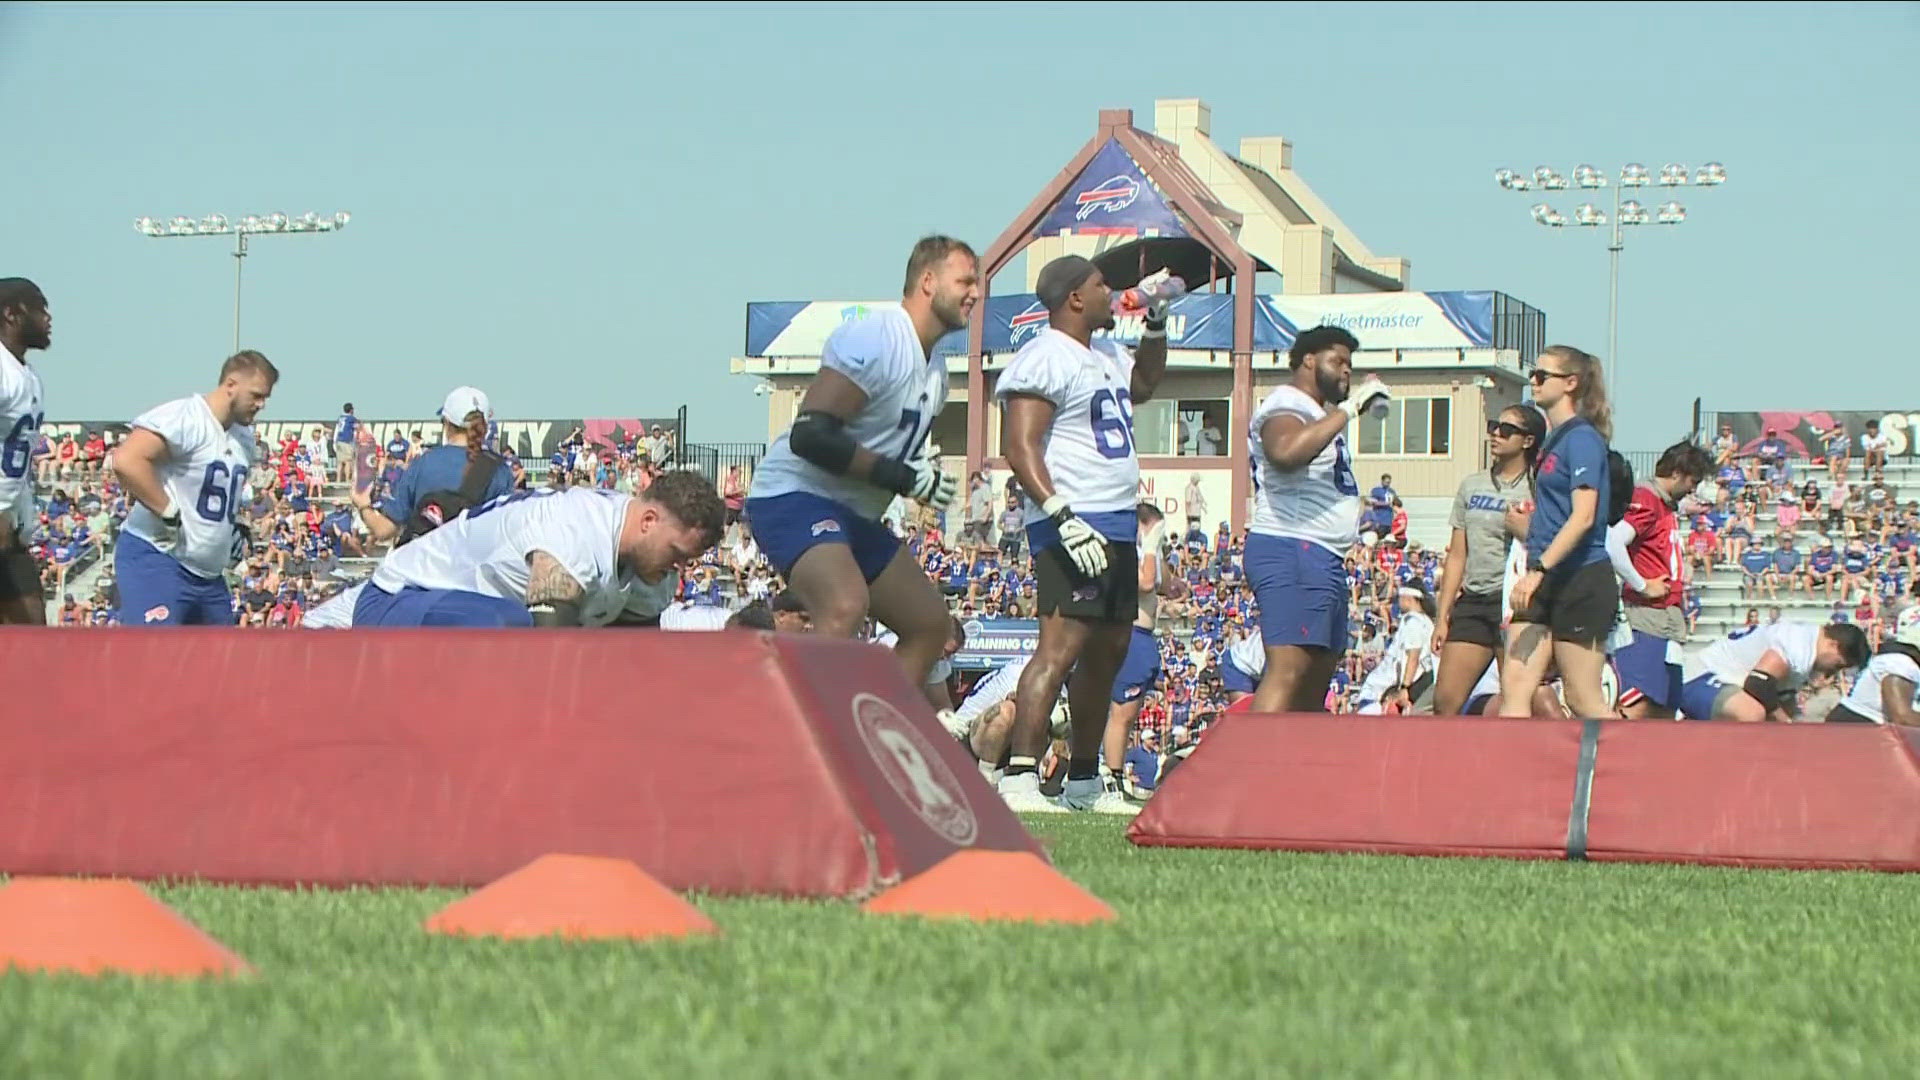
[[1824, 532]]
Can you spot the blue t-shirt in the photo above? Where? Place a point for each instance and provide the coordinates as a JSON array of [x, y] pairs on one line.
[[1577, 459], [345, 428], [1146, 766], [439, 469], [1786, 560], [1822, 560]]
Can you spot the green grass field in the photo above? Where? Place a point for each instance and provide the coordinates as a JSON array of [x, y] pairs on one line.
[[1223, 964]]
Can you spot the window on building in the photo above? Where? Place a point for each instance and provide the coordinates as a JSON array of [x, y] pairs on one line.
[[950, 429], [1153, 428], [1203, 428], [1413, 426]]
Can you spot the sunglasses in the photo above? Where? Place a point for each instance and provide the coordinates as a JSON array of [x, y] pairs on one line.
[[1541, 375], [1504, 430]]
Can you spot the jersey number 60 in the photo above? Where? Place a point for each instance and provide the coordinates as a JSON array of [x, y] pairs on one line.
[[219, 492]]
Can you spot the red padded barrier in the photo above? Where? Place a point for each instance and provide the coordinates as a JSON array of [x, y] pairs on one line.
[[731, 762], [1808, 796], [1412, 785]]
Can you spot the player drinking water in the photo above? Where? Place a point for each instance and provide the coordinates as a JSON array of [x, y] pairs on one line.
[[1068, 437], [858, 441], [184, 464]]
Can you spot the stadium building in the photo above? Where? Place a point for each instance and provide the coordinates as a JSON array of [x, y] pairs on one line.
[[1264, 257]]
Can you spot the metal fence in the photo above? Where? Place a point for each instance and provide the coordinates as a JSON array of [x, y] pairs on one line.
[[712, 460]]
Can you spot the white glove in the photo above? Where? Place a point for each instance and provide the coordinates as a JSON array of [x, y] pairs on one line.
[[931, 485], [1156, 307], [1362, 396], [1087, 548]]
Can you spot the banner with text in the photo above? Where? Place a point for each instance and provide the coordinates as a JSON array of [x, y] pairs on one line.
[[993, 642], [1797, 428]]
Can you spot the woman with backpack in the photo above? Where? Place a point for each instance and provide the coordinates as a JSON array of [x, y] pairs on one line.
[[1564, 605], [440, 483]]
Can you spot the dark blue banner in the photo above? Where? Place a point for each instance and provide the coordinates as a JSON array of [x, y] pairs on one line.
[[1112, 195]]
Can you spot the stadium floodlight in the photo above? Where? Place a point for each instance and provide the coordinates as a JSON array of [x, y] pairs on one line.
[[249, 225], [1626, 212]]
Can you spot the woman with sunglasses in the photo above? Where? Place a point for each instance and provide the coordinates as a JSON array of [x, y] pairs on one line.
[[1564, 605], [1467, 630]]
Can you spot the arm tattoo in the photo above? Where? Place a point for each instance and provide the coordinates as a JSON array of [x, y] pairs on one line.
[[549, 582]]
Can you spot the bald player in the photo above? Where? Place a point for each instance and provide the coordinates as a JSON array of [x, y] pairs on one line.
[[25, 325], [1068, 437], [578, 557], [184, 464]]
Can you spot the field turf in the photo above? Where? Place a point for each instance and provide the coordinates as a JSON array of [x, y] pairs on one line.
[[1223, 964]]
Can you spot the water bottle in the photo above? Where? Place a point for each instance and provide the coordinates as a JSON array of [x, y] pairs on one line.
[[1147, 293]]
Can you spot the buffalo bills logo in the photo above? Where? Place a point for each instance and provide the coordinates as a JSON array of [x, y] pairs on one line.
[[827, 526], [1027, 322], [1086, 593], [1549, 464], [156, 614], [1112, 196]]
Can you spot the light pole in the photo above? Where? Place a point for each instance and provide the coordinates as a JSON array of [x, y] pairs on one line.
[[251, 225], [1628, 212]]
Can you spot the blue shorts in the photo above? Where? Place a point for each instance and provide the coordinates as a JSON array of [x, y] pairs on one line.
[[788, 526], [1301, 588], [1699, 696], [1645, 672], [1234, 680], [155, 590], [1140, 670], [436, 607]]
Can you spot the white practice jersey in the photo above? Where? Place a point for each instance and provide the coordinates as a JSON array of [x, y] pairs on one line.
[[1249, 654], [1088, 450], [1730, 659], [990, 691], [1320, 503], [1865, 695], [21, 409], [334, 613], [205, 474], [1414, 636], [484, 550], [941, 667], [905, 390], [681, 615]]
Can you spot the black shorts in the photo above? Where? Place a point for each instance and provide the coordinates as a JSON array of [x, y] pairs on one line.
[[1577, 605], [1476, 620], [1061, 589], [1841, 714], [19, 575]]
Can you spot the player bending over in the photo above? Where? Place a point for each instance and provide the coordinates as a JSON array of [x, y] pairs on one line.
[[858, 441], [1754, 677], [1306, 517], [1068, 437], [1888, 692], [579, 557], [984, 721], [25, 325], [184, 464]]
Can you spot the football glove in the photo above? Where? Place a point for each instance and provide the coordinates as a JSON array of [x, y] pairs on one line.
[[1370, 390], [1087, 548]]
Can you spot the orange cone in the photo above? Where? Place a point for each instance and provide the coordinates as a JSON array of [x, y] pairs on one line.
[[573, 896], [90, 927], [1014, 886]]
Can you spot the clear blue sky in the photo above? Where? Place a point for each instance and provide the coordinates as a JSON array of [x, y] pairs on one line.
[[534, 188]]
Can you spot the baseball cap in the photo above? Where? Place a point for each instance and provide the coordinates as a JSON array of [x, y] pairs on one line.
[[462, 400]]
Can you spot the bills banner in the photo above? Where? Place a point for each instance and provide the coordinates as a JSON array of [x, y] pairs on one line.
[[1112, 196], [1197, 321], [993, 642], [530, 439], [1797, 428]]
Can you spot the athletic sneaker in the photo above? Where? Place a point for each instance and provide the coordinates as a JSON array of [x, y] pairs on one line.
[[954, 725], [1022, 795], [992, 773], [1092, 797]]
